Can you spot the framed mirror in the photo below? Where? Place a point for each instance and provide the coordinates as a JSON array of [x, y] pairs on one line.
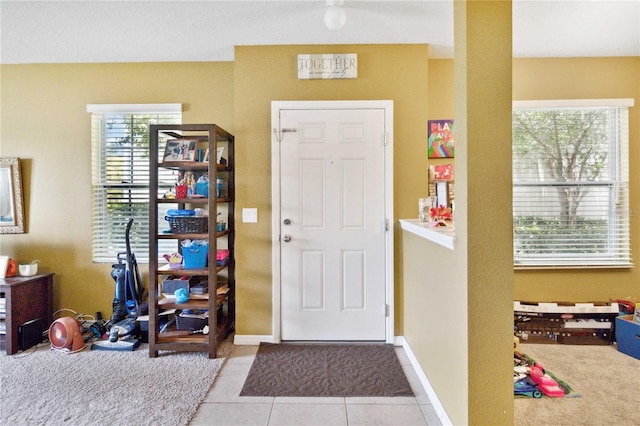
[[11, 207]]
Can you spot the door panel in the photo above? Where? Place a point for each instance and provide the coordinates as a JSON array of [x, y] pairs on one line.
[[312, 193], [353, 204], [353, 280], [312, 283]]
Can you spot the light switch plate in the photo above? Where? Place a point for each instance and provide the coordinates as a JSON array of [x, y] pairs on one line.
[[250, 215]]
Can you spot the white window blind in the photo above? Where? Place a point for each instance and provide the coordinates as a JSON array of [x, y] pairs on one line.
[[120, 177], [571, 183]]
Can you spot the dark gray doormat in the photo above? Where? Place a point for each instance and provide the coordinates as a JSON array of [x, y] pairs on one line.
[[326, 370]]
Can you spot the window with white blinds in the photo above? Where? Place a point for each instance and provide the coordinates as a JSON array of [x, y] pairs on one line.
[[120, 177], [571, 183]]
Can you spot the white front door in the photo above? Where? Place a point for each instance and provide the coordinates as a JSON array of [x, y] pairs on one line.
[[333, 223]]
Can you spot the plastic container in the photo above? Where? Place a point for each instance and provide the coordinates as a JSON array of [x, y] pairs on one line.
[[222, 257], [195, 256], [172, 283], [180, 212], [191, 320], [28, 269], [628, 336], [219, 187], [181, 191], [202, 188]]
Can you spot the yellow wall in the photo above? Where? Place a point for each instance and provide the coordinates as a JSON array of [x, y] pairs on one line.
[[586, 78], [434, 282], [268, 73], [483, 98], [423, 282], [567, 78], [44, 122]]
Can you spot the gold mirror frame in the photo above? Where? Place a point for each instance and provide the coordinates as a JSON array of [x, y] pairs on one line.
[[11, 206]]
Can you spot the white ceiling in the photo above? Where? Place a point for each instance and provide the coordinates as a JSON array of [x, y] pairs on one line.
[[181, 30]]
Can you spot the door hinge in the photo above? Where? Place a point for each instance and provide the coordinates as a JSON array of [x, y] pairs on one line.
[[386, 224], [386, 139], [387, 310]]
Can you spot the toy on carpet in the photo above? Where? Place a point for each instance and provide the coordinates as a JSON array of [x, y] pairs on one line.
[[531, 380], [546, 384], [526, 387]]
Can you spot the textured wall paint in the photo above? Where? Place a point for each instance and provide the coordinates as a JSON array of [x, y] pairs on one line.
[[483, 104], [585, 78], [567, 78], [45, 122], [267, 73]]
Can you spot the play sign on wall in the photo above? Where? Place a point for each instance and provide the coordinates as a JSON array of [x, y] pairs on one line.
[[327, 66]]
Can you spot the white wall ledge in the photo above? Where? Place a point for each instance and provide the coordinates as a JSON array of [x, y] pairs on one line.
[[443, 235]]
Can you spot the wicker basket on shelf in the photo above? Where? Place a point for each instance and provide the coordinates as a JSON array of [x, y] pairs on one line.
[[188, 224]]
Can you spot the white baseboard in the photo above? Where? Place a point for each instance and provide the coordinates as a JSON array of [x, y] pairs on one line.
[[431, 393], [251, 340]]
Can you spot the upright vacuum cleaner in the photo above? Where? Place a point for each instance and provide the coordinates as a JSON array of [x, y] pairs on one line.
[[128, 303]]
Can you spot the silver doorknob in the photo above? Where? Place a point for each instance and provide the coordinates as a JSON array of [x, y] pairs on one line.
[[286, 238], [287, 221]]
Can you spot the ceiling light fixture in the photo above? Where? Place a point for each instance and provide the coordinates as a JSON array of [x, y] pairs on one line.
[[335, 17]]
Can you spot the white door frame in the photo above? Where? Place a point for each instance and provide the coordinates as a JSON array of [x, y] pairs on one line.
[[276, 133]]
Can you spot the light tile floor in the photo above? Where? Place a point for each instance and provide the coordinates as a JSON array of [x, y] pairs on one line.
[[224, 406]]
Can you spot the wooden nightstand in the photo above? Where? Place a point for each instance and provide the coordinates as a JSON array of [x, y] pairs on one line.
[[26, 298]]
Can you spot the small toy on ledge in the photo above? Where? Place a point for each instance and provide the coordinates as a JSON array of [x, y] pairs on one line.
[[170, 194], [440, 216], [174, 259]]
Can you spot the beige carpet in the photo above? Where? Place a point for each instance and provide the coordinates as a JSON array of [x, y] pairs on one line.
[[45, 387], [608, 382]]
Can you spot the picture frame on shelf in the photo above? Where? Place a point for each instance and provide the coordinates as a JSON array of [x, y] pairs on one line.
[[441, 172], [205, 159], [219, 152], [442, 193], [180, 150]]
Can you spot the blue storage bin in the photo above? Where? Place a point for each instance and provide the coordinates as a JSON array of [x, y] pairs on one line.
[[195, 257], [628, 336], [202, 188]]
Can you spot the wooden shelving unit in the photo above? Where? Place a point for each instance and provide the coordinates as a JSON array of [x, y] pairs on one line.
[[220, 301]]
